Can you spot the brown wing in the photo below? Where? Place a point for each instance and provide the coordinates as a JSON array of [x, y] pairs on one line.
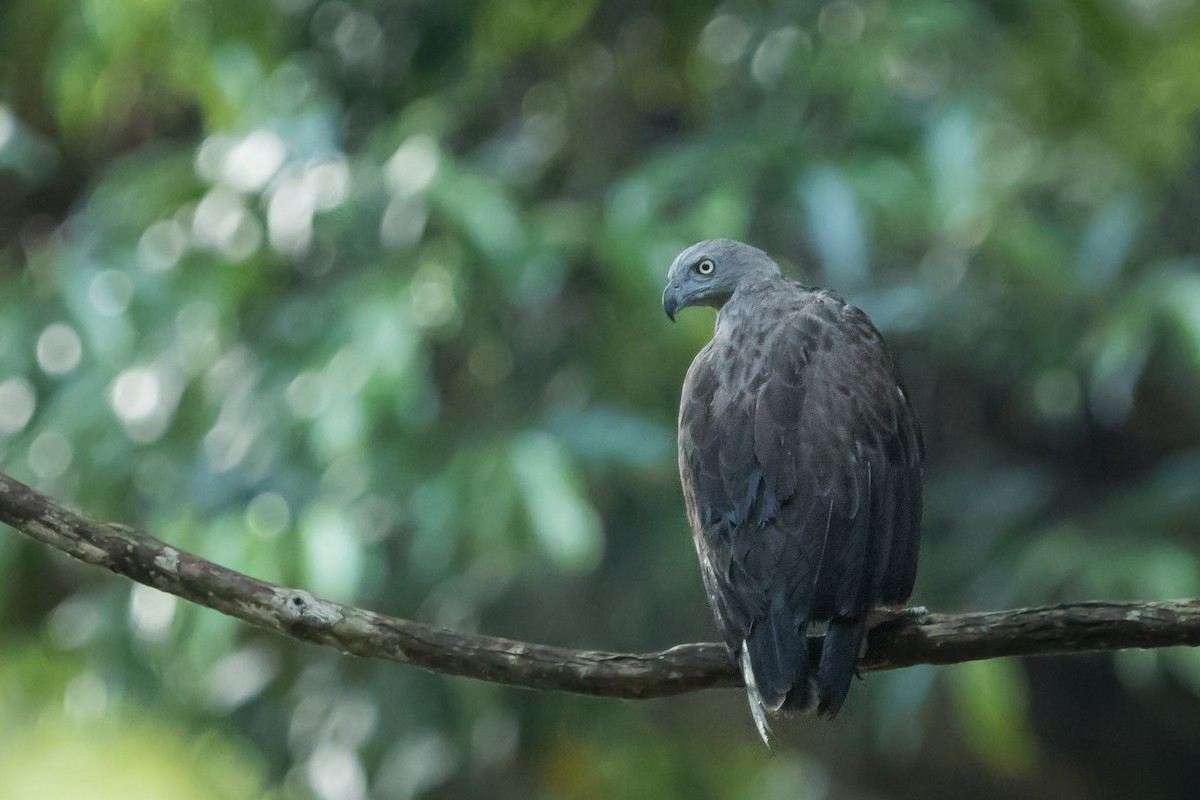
[[800, 457]]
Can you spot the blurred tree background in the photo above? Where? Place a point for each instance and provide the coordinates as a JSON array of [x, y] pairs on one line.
[[363, 297]]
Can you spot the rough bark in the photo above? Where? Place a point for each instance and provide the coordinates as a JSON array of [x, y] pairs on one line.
[[899, 641]]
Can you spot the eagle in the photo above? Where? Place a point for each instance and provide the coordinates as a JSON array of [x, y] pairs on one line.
[[800, 457]]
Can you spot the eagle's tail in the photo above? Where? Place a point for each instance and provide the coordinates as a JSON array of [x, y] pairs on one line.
[[785, 670], [822, 683], [839, 663], [776, 665]]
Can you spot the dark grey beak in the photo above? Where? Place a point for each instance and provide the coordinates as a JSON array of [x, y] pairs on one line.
[[671, 301]]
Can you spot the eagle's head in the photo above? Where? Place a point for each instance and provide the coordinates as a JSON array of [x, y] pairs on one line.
[[709, 272]]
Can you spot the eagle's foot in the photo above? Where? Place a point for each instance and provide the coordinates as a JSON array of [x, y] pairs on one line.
[[884, 614]]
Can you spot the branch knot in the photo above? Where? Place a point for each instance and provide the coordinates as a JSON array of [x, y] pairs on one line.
[[299, 606]]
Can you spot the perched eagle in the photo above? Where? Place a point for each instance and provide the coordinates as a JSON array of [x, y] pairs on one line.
[[800, 457]]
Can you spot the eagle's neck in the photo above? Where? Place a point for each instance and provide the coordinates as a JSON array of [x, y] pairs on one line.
[[745, 307]]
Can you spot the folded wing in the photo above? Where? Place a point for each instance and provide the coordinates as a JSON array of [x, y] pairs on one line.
[[800, 456]]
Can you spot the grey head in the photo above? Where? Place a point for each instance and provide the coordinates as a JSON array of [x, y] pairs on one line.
[[709, 272]]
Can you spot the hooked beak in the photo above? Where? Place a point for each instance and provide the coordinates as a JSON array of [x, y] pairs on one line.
[[670, 300]]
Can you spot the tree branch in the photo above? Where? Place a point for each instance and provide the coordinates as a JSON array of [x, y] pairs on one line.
[[898, 642]]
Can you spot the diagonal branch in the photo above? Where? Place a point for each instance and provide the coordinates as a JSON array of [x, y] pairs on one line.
[[899, 642]]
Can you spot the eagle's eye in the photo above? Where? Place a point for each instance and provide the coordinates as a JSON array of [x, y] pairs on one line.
[[706, 267]]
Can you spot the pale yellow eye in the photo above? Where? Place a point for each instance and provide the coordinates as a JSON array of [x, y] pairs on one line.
[[706, 267]]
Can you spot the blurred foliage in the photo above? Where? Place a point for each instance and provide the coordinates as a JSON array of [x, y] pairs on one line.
[[363, 297]]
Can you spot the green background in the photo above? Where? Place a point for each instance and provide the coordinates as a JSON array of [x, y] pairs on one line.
[[364, 298]]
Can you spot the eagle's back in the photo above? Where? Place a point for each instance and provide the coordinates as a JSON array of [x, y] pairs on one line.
[[800, 460]]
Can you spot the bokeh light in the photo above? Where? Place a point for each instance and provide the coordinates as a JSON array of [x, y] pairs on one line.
[[17, 404], [59, 349]]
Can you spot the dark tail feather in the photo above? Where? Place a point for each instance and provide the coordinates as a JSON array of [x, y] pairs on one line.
[[778, 656], [803, 697], [774, 658], [839, 664]]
